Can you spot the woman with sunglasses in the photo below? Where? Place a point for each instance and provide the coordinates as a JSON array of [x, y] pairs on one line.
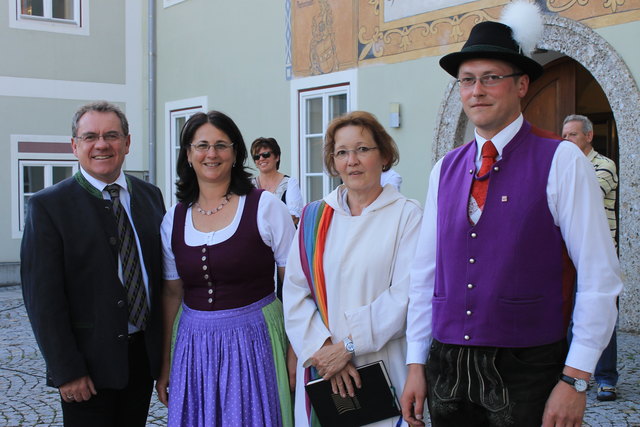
[[347, 284], [224, 360], [266, 155]]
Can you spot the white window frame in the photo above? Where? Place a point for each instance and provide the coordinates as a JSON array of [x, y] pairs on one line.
[[78, 25], [48, 180], [300, 89], [173, 110], [21, 159]]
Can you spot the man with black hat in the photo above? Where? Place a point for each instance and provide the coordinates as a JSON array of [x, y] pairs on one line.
[[507, 218]]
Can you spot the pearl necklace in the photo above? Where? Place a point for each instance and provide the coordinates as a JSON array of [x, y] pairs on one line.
[[227, 197]]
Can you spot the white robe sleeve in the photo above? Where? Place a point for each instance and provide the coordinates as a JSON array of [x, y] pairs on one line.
[[373, 325]]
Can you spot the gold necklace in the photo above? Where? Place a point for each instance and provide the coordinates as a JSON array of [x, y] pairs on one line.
[[227, 197]]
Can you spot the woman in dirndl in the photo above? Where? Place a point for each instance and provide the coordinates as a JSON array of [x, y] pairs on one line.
[[224, 342]]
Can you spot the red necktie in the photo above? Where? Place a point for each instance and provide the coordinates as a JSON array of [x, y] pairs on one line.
[[481, 181]]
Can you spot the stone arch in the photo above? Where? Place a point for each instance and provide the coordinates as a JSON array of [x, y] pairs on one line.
[[581, 43]]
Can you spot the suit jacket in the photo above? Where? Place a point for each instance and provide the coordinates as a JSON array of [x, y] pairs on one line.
[[72, 292]]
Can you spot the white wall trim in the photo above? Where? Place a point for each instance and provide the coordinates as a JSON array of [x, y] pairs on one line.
[[347, 76], [134, 96], [62, 89], [169, 3]]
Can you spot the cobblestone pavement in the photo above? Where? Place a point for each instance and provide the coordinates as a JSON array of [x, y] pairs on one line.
[[25, 400]]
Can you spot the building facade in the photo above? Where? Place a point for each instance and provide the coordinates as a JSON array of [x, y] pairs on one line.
[[285, 69]]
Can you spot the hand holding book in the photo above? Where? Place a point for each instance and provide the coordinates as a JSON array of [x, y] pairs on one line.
[[342, 382], [375, 400]]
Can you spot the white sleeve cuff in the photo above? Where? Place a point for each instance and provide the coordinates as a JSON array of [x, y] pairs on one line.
[[417, 352]]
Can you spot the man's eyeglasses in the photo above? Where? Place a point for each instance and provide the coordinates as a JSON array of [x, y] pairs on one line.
[[486, 80], [264, 155], [360, 153], [95, 137], [218, 147]]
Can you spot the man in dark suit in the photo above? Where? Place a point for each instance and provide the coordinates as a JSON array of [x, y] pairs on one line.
[[91, 277]]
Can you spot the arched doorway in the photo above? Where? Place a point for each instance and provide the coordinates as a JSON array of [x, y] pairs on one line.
[[595, 54], [566, 87]]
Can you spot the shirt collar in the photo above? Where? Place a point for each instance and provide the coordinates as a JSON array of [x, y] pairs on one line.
[[502, 138], [100, 185]]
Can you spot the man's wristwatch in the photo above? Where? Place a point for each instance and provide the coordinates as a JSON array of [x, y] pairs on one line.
[[348, 345], [579, 384]]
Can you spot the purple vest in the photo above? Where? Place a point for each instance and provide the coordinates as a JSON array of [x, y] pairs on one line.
[[507, 281], [230, 274]]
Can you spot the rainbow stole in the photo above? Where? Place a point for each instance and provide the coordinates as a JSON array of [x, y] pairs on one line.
[[315, 220]]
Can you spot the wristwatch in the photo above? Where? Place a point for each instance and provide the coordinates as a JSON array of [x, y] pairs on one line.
[[348, 345], [579, 384]]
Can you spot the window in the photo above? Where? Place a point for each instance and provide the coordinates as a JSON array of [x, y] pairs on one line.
[[39, 162], [37, 175], [318, 108], [49, 9], [315, 102], [64, 16], [176, 115]]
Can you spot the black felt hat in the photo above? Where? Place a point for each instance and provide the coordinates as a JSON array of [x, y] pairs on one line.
[[492, 40]]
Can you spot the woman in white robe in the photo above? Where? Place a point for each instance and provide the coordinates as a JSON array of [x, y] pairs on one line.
[[369, 246]]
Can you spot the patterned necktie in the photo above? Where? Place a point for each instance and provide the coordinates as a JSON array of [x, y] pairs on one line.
[[131, 272], [481, 182]]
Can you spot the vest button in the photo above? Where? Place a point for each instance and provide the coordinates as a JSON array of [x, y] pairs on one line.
[[468, 312], [210, 300], [206, 276], [496, 168], [120, 303], [210, 291], [471, 171], [474, 235], [204, 258], [204, 267], [472, 260], [121, 337], [209, 283], [467, 337], [204, 250], [469, 285]]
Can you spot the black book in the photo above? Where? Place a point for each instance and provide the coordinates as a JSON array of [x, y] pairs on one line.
[[374, 401]]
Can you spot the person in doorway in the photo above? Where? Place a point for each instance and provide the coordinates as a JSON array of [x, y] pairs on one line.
[[91, 277], [507, 217], [579, 130]]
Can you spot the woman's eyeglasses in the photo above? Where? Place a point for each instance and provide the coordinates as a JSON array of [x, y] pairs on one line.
[[264, 155]]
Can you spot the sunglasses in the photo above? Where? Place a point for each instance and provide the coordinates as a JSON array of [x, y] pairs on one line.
[[264, 155]]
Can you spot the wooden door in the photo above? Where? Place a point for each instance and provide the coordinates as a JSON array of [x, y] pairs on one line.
[[552, 97]]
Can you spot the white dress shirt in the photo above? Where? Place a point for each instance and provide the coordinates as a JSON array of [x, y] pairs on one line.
[[575, 202]]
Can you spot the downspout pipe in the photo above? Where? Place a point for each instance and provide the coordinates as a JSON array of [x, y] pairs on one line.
[[151, 87]]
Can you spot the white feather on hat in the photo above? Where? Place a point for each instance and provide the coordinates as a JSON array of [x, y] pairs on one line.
[[525, 20]]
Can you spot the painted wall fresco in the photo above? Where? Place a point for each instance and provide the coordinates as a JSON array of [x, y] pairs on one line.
[[332, 35]]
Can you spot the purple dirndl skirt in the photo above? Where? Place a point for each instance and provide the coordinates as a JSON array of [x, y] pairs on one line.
[[222, 371]]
